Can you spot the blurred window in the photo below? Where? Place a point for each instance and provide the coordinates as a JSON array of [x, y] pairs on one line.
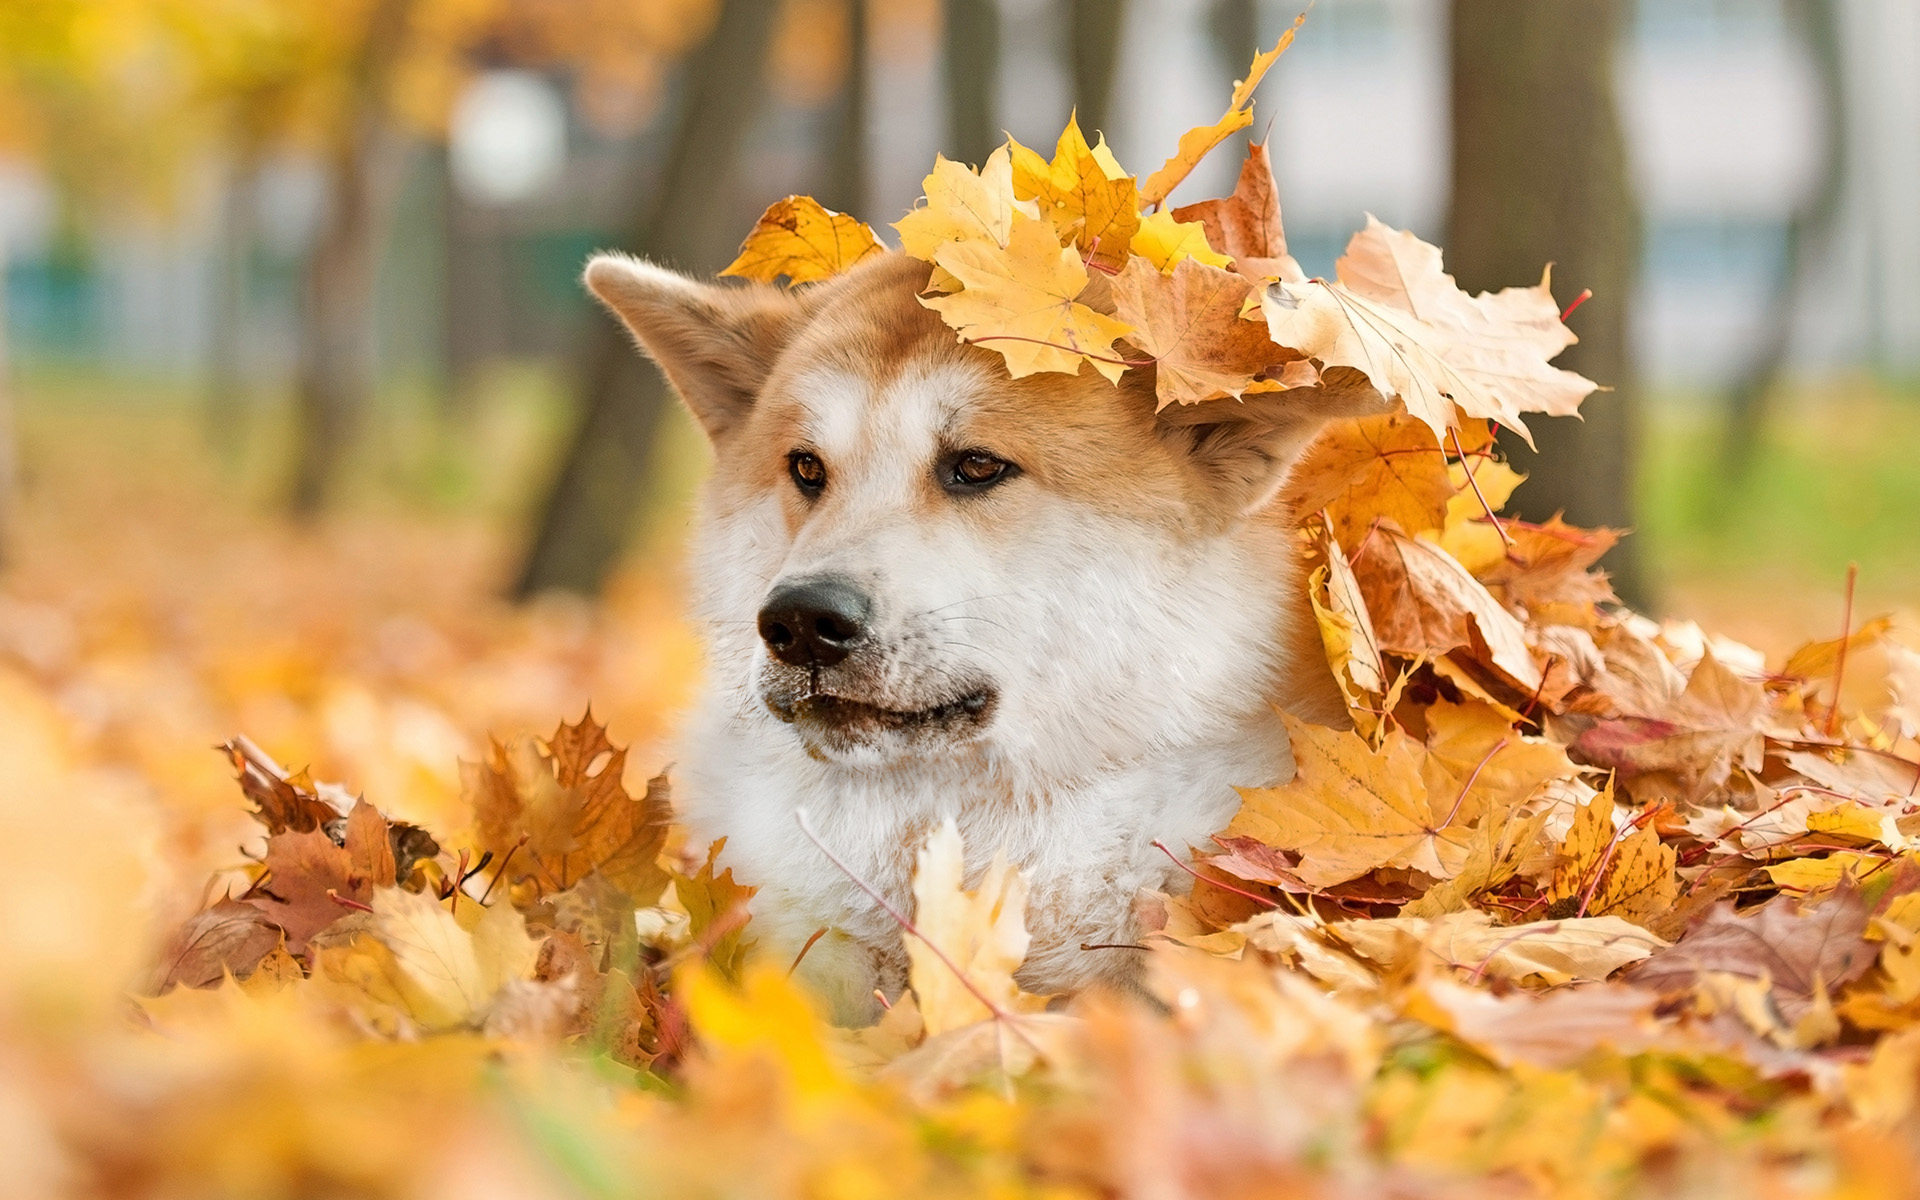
[[508, 139]]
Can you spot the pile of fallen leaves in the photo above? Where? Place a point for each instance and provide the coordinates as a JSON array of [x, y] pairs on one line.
[[1577, 903]]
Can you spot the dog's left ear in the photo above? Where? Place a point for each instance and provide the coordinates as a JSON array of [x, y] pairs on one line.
[[1245, 448], [715, 342]]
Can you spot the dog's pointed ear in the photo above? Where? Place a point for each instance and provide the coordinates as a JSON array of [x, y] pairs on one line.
[[1245, 448], [716, 343]]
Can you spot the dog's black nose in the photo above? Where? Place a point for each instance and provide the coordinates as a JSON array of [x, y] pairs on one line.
[[814, 622]]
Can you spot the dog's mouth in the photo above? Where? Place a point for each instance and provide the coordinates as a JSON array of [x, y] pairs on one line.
[[842, 718]]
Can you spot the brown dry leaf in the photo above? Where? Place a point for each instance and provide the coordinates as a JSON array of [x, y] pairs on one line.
[[566, 798], [1020, 301], [1425, 603], [1555, 952], [1090, 205], [717, 912], [1346, 631], [282, 802], [1598, 872], [1699, 737], [1351, 808], [1797, 949], [1554, 1030], [1552, 563], [981, 935], [799, 238], [1196, 143], [1362, 470], [1189, 322], [311, 883], [1397, 316], [1246, 225], [228, 938]]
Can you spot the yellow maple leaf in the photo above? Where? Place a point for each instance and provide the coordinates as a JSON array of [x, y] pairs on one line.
[[1163, 241], [799, 238], [982, 935], [449, 973], [962, 206], [1197, 143], [1020, 300], [1090, 206], [1351, 808], [1398, 317]]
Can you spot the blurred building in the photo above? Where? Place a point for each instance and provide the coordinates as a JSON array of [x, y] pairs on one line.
[[1719, 98]]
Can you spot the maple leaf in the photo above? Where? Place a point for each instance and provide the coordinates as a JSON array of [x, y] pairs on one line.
[[1351, 808], [717, 912], [1395, 315], [963, 206], [981, 935], [1554, 1030], [1700, 736], [1582, 948], [1387, 466], [1246, 225], [799, 238], [449, 974], [566, 799], [1166, 243], [1597, 871], [282, 801], [1799, 950], [1423, 602], [1091, 202], [311, 882], [1188, 322], [1197, 143], [1020, 301], [1552, 563], [227, 938]]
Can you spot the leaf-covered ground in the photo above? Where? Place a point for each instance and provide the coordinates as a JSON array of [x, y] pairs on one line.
[[1581, 904]]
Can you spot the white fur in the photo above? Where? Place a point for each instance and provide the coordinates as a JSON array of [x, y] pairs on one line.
[[1133, 665]]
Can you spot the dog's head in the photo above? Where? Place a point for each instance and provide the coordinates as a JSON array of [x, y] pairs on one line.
[[907, 553]]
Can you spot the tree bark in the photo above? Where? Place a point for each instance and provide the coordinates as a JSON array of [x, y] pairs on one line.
[[1095, 33], [1540, 175], [1235, 26], [227, 346], [589, 513], [848, 170], [972, 65], [1808, 234], [335, 373]]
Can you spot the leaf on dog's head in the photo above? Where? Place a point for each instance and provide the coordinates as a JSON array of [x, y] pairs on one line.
[[799, 238], [1397, 316], [1371, 467], [1020, 300], [1246, 225], [1197, 143], [1165, 241], [1092, 203], [962, 206], [982, 933], [1189, 323]]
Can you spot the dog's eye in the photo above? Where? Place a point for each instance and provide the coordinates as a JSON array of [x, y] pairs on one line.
[[975, 469], [809, 473]]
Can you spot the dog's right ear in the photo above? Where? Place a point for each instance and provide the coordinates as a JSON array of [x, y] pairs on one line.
[[715, 343]]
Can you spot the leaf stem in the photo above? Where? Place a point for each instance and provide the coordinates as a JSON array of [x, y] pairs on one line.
[[1162, 848], [1840, 656], [1475, 485]]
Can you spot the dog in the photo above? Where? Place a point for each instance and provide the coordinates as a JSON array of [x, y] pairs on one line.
[[928, 589]]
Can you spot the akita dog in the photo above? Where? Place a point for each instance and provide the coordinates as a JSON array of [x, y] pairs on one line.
[[929, 589]]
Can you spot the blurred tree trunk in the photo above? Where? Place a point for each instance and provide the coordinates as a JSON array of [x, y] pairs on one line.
[[972, 45], [1809, 231], [1095, 34], [1540, 175], [227, 347], [848, 172], [335, 373], [1235, 26], [590, 511]]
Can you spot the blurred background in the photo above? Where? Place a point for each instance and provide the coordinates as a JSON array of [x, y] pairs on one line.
[[307, 428]]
